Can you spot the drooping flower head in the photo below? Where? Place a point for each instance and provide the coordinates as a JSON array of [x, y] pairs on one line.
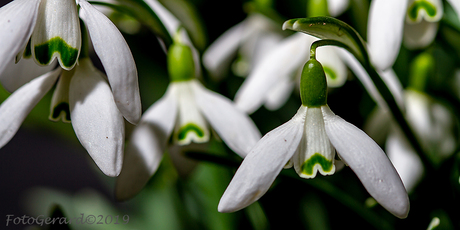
[[309, 142], [186, 114], [82, 95], [46, 30], [391, 22]]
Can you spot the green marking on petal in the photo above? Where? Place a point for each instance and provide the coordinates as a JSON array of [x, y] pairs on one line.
[[62, 109], [416, 6], [68, 55], [28, 51], [190, 127], [308, 166], [330, 72]]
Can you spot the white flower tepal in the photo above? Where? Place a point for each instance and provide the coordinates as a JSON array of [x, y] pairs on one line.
[[307, 141]]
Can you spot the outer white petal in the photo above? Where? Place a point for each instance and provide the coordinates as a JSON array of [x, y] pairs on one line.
[[394, 85], [17, 21], [265, 161], [281, 62], [117, 60], [96, 120], [456, 5], [385, 31], [363, 76], [334, 67], [369, 163], [219, 54], [18, 105], [17, 74], [235, 128], [146, 146], [170, 22], [420, 35], [405, 160], [337, 7], [279, 94]]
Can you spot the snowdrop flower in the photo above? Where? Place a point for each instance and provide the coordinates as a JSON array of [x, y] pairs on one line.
[[391, 20], [185, 114], [433, 126], [308, 142], [81, 95], [252, 38], [45, 30], [273, 78]]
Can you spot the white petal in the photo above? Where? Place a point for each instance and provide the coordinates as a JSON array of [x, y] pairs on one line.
[[218, 56], [364, 77], [279, 94], [17, 21], [17, 74], [335, 69], [117, 60], [281, 62], [369, 163], [418, 114], [170, 22], [146, 146], [98, 124], [420, 35], [405, 160], [57, 33], [315, 148], [59, 109], [337, 7], [235, 128], [456, 5], [253, 50], [385, 31], [394, 85], [191, 125], [265, 161], [18, 105]]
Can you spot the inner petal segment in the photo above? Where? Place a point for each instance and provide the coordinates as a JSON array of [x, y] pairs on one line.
[[316, 153]]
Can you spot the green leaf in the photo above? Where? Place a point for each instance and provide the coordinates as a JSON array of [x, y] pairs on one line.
[[334, 29]]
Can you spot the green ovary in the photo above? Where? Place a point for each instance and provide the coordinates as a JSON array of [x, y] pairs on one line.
[[184, 130], [413, 10], [44, 52], [308, 166]]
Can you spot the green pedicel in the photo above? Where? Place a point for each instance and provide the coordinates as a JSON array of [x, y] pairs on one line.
[[190, 127], [313, 85], [45, 52], [307, 167]]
